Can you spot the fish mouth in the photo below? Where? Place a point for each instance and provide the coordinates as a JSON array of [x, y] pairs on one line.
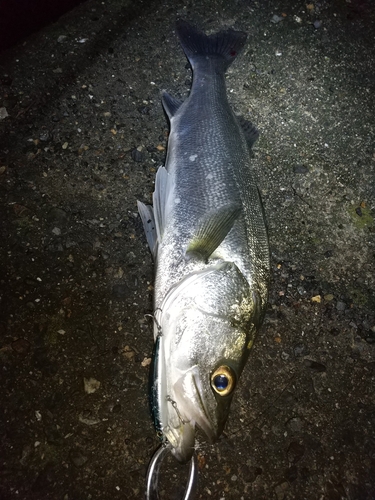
[[182, 440], [191, 411]]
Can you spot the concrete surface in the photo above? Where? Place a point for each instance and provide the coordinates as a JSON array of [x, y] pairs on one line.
[[82, 133]]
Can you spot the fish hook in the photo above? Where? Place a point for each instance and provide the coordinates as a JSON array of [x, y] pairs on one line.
[[153, 475], [153, 317]]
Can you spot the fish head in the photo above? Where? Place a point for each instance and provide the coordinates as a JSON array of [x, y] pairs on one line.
[[207, 326]]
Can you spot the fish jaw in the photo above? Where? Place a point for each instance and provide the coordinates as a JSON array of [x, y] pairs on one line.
[[182, 441], [186, 410]]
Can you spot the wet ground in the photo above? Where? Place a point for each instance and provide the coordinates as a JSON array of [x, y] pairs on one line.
[[82, 133]]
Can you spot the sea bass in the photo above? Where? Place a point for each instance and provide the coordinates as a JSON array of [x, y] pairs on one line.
[[208, 237]]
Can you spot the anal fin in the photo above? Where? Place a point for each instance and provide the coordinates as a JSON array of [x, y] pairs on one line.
[[170, 104]]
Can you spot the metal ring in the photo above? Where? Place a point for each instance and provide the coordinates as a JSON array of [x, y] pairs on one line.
[[153, 475]]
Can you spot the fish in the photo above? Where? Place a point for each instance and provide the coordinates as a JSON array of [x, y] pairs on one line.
[[208, 237]]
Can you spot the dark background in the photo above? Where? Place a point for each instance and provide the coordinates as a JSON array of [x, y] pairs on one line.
[[20, 18]]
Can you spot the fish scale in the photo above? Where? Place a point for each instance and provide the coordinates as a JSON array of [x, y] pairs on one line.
[[209, 241]]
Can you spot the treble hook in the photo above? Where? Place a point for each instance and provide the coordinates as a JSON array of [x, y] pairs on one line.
[[153, 475]]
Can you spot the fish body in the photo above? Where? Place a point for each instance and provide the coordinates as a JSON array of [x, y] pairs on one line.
[[208, 236]]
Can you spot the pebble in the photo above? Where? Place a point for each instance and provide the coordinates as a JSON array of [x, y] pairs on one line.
[[280, 490], [44, 479], [77, 458], [20, 210], [70, 243], [291, 474], [53, 436], [130, 380], [340, 306], [276, 19], [370, 337], [44, 136], [300, 350], [26, 453], [295, 424], [88, 420], [317, 24], [295, 452], [146, 362], [56, 231], [137, 155], [300, 169], [91, 385], [121, 291], [334, 331], [31, 281], [20, 346], [314, 366], [57, 215], [3, 113], [251, 473], [335, 490], [369, 447]]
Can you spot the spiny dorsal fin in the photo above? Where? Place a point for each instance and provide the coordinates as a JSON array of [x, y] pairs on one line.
[[250, 130], [170, 104], [211, 231]]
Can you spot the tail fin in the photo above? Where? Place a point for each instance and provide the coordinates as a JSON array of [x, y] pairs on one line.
[[225, 44]]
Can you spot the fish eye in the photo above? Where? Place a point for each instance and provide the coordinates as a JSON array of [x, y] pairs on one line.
[[223, 380]]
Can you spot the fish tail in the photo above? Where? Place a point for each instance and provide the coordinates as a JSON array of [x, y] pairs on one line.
[[224, 46]]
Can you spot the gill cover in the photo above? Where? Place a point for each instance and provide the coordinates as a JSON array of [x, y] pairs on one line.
[[207, 322]]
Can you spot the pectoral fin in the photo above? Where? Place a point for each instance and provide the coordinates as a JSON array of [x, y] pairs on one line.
[[160, 200], [211, 231]]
